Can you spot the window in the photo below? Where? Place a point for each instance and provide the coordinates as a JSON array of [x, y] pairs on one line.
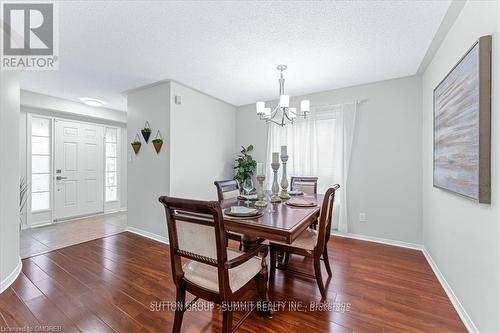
[[111, 165], [311, 147], [319, 146], [40, 164]]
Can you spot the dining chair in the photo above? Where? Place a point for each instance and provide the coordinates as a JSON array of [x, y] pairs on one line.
[[229, 189], [311, 243], [213, 272], [307, 185]]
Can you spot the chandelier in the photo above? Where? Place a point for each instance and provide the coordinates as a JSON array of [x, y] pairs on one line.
[[282, 113]]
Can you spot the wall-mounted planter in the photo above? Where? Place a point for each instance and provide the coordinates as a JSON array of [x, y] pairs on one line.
[[158, 142], [146, 132], [136, 144]]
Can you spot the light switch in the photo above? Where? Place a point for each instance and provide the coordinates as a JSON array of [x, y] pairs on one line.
[[363, 217]]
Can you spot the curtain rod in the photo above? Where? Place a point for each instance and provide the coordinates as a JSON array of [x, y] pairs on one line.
[[357, 102]]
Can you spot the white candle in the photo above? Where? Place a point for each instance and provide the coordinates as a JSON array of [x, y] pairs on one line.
[[260, 169], [283, 150], [276, 157]]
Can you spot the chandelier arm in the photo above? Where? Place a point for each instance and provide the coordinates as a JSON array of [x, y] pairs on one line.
[[275, 122], [274, 112], [287, 117]]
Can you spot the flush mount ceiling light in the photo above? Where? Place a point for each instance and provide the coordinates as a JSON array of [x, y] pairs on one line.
[[92, 102], [282, 113]]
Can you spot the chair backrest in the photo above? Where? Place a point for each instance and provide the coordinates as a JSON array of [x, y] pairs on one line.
[[227, 189], [196, 231], [304, 184], [325, 219]]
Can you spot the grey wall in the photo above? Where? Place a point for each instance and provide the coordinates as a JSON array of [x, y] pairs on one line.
[[462, 236], [201, 143], [9, 177], [385, 176], [148, 173], [198, 148]]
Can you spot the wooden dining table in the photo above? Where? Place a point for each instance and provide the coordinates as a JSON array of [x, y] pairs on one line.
[[279, 222]]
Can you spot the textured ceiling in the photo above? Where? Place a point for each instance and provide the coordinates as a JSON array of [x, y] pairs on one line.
[[230, 49]]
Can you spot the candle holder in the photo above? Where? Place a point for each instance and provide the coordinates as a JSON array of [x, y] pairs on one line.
[[284, 181], [275, 189], [260, 192]]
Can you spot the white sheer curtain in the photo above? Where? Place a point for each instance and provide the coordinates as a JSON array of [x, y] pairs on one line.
[[318, 146]]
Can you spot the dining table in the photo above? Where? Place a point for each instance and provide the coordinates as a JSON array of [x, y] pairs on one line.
[[279, 222]]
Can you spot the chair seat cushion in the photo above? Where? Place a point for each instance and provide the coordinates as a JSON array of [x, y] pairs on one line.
[[307, 240], [206, 276]]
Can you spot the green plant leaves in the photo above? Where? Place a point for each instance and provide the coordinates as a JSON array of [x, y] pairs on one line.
[[246, 165]]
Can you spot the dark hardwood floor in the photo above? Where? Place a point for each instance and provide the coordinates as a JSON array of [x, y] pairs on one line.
[[117, 284]]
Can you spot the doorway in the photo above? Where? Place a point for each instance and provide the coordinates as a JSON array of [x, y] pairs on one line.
[[73, 169], [79, 169]]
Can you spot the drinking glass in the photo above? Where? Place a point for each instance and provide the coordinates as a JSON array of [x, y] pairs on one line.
[[248, 187]]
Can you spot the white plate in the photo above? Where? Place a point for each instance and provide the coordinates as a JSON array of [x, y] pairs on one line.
[[296, 193]]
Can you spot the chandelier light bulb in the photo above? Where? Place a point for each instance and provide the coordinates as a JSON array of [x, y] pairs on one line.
[[292, 113], [260, 106], [284, 101], [305, 106]]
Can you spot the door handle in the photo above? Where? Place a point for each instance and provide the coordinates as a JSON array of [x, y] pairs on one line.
[[61, 178]]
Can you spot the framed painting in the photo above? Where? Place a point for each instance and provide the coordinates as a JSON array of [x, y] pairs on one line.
[[462, 130]]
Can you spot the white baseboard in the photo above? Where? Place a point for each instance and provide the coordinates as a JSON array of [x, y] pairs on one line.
[[11, 277], [148, 234], [466, 319], [385, 241]]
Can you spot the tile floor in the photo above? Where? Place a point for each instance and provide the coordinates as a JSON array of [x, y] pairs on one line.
[[44, 239]]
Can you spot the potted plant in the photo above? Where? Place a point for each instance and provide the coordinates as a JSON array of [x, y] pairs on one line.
[[158, 142], [136, 144], [146, 132], [245, 165]]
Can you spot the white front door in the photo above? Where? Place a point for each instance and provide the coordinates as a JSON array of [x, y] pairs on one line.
[[79, 169]]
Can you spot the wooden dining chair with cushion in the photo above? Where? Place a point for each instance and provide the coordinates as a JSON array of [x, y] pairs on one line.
[[311, 243], [229, 189], [307, 185], [213, 272]]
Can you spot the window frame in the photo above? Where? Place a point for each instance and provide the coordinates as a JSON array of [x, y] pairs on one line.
[[117, 171], [30, 172]]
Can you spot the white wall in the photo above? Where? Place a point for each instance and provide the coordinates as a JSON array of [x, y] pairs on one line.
[[148, 172], [462, 236], [10, 263], [385, 176], [201, 144]]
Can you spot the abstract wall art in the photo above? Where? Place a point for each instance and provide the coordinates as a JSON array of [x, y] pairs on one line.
[[462, 131]]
